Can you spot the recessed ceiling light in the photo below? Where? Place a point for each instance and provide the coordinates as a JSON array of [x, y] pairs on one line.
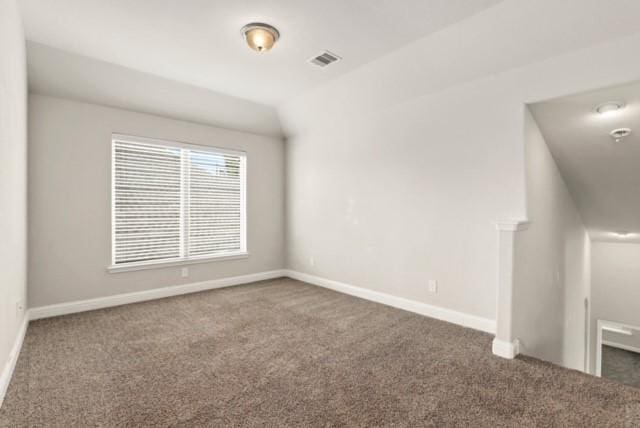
[[619, 134], [609, 107], [260, 37]]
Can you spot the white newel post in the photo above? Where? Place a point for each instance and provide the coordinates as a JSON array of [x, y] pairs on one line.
[[505, 344]]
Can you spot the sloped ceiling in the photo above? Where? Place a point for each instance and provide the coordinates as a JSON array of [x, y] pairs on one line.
[[132, 54], [62, 74], [602, 175], [198, 42]]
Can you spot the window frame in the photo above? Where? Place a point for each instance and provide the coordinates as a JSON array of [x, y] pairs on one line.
[[177, 261]]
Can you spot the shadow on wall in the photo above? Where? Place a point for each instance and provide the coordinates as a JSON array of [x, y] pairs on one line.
[[551, 262]]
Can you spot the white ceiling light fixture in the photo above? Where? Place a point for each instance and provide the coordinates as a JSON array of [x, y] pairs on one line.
[[619, 134], [260, 37], [610, 107]]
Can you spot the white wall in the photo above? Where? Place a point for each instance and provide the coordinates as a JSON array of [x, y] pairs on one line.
[[391, 200], [615, 285], [631, 342], [551, 263], [13, 179], [69, 197], [396, 171], [61, 74]]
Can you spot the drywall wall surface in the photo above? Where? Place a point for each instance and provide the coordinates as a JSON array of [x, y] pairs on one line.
[[630, 342], [62, 74], [615, 286], [551, 264], [397, 170], [13, 178], [70, 192], [392, 200]]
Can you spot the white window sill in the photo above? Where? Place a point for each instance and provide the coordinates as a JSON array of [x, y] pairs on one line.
[[128, 267]]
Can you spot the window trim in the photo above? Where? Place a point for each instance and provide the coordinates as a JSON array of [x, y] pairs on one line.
[[133, 266], [128, 267]]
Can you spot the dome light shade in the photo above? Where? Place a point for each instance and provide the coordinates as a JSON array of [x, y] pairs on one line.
[[260, 37], [609, 107]]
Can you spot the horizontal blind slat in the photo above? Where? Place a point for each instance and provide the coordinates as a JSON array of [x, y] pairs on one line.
[[214, 203], [147, 194]]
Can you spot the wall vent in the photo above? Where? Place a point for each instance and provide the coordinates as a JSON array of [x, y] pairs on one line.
[[324, 59]]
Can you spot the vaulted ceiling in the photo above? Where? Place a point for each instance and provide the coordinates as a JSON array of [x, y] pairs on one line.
[[186, 59], [198, 42]]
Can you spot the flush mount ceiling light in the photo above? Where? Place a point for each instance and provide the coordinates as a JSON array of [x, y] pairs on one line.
[[609, 107], [619, 134], [260, 37]]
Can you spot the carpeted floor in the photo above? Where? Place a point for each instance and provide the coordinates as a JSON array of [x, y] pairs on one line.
[[621, 366], [283, 353]]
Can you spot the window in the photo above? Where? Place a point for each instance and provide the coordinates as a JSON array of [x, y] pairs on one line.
[[174, 202]]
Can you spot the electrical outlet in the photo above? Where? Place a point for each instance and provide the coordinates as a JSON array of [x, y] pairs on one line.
[[312, 261], [185, 272], [433, 286]]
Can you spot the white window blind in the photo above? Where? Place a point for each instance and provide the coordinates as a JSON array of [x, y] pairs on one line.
[[176, 202]]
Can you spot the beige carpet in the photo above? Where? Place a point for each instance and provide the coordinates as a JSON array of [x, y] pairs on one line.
[[283, 353]]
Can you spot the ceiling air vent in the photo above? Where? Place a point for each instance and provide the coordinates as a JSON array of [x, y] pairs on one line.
[[324, 59], [619, 134]]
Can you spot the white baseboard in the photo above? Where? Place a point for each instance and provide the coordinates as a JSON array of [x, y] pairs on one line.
[[141, 296], [449, 315], [455, 317], [9, 367], [505, 349], [466, 320], [621, 346]]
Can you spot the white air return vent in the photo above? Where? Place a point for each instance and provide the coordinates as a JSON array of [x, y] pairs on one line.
[[324, 59]]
